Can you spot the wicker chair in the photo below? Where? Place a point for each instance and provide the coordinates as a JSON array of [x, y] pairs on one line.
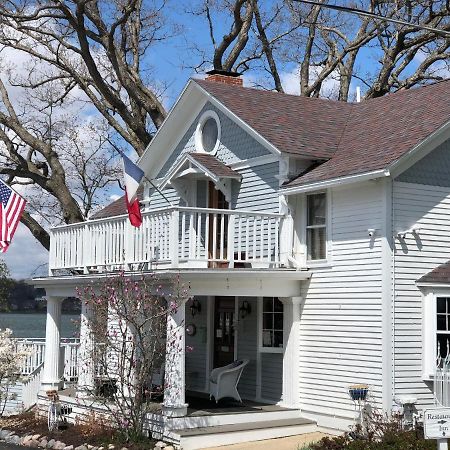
[[223, 381]]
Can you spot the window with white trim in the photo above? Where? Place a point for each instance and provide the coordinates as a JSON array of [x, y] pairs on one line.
[[272, 323], [442, 326], [316, 226], [207, 134]]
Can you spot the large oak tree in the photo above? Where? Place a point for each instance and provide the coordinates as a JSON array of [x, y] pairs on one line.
[[97, 53]]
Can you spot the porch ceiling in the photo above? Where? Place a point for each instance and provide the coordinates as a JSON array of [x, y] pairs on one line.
[[226, 282]]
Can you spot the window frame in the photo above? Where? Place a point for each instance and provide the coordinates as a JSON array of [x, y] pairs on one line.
[[209, 114], [429, 329], [312, 262], [261, 347]]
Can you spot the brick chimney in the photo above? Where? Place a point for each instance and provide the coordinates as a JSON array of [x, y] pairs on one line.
[[222, 76]]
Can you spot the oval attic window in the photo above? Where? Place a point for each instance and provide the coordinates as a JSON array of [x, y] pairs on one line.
[[207, 136], [210, 132]]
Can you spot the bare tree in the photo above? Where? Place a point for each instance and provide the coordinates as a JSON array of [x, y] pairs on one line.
[[91, 51], [90, 58], [325, 46]]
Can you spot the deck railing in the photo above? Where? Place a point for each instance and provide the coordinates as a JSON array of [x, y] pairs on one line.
[[172, 237], [35, 348]]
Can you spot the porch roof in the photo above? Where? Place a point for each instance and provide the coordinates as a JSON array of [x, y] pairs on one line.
[[439, 275], [224, 282]]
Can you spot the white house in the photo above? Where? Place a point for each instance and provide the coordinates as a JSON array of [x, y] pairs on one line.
[[307, 229]]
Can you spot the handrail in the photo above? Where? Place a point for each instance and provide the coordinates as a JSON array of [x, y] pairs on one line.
[[168, 209]]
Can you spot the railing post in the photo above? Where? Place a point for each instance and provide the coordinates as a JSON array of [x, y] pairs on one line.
[[86, 261], [174, 237], [286, 239], [52, 256], [231, 236]]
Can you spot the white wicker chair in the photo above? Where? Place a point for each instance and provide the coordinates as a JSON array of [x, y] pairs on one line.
[[223, 381]]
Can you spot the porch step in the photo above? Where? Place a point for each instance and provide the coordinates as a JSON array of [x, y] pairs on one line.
[[204, 437]]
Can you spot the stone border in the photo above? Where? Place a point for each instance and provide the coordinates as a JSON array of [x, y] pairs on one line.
[[40, 441]]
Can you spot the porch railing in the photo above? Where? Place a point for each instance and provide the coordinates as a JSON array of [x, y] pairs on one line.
[[35, 348], [441, 382], [171, 237]]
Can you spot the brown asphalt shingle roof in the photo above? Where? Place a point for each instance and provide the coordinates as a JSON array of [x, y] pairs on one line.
[[297, 125], [117, 207], [354, 137], [440, 274], [215, 166]]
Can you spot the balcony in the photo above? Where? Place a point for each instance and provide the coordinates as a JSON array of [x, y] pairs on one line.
[[176, 237]]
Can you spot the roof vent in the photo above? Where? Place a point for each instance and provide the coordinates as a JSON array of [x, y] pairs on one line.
[[223, 76]]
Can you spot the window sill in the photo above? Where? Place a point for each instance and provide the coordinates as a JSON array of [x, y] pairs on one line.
[[319, 264], [271, 350]]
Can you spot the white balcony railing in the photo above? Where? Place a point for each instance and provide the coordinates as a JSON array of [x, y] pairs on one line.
[[173, 237]]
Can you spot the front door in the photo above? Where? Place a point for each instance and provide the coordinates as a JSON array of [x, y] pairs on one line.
[[218, 228], [223, 331]]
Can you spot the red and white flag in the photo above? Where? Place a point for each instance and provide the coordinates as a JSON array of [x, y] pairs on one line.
[[132, 175], [11, 209]]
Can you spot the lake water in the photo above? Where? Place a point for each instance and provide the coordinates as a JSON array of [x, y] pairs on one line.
[[33, 325]]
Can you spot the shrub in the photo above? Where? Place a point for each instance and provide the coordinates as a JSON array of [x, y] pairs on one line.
[[380, 432]]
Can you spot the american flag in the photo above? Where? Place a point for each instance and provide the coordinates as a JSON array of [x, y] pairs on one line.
[[11, 208]]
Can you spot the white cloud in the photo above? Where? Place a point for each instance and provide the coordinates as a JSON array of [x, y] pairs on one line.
[[114, 197], [25, 256]]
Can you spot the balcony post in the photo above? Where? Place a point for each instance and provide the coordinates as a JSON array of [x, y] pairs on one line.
[[291, 319], [86, 370], [230, 238], [52, 359], [174, 378], [286, 240], [86, 261], [174, 237], [52, 255]]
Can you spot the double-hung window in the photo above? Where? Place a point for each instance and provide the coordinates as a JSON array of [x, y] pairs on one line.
[[442, 326], [272, 324], [316, 226]]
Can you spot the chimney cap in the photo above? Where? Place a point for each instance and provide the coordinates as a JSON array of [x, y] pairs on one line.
[[224, 73]]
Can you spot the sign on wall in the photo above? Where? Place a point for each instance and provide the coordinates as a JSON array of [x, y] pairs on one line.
[[436, 423]]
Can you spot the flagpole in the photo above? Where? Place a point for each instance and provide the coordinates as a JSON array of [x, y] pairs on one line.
[[165, 198]]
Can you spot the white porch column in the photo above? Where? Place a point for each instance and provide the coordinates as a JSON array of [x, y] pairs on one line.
[[86, 370], [291, 325], [174, 379], [52, 362]]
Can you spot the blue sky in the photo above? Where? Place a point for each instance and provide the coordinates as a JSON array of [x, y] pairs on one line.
[[172, 62]]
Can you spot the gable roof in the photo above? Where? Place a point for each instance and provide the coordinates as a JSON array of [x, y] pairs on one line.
[[300, 126], [439, 275], [352, 138], [214, 165]]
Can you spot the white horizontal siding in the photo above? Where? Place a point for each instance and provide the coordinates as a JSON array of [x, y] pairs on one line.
[[341, 321], [426, 208]]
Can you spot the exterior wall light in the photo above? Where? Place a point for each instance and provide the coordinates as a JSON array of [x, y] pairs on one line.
[[245, 309], [196, 307]]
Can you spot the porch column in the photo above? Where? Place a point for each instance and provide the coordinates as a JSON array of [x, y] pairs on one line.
[[174, 379], [291, 325], [52, 367], [86, 369]]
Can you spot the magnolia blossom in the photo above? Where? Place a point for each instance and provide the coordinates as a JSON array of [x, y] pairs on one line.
[[12, 357]]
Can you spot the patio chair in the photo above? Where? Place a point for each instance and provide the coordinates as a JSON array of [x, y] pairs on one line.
[[223, 381]]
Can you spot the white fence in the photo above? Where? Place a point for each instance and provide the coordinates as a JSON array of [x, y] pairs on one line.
[[173, 237], [442, 379]]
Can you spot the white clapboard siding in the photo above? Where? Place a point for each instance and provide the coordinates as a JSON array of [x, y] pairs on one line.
[[428, 209], [341, 321]]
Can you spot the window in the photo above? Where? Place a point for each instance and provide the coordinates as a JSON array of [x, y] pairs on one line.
[[442, 326], [207, 134], [316, 228], [272, 323]]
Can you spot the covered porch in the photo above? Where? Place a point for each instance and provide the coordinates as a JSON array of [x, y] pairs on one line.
[[233, 314]]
